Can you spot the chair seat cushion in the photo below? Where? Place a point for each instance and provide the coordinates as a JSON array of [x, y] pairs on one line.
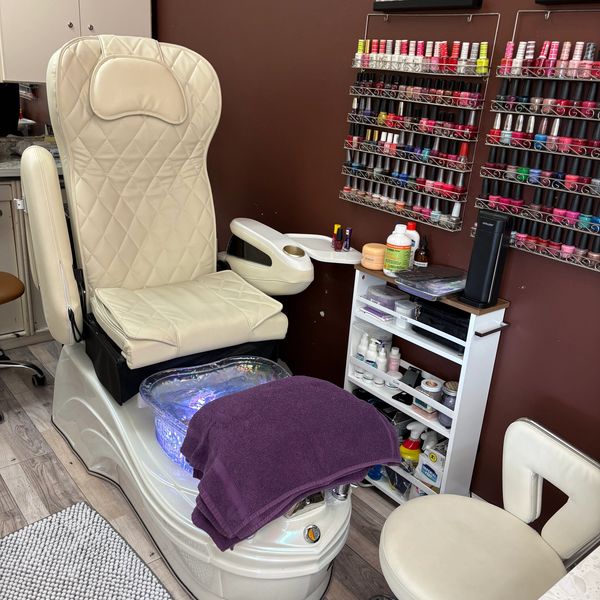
[[155, 324], [11, 287], [450, 547]]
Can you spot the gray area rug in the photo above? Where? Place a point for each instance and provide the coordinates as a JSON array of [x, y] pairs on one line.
[[74, 555]]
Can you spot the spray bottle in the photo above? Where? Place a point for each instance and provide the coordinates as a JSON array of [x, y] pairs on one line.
[[411, 447]]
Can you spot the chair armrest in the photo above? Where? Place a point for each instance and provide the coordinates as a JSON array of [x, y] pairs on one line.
[[50, 242]]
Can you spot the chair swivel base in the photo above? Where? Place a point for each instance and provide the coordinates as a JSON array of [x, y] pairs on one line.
[[38, 377]]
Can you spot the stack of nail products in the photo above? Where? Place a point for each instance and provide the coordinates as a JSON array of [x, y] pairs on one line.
[[419, 56], [578, 60]]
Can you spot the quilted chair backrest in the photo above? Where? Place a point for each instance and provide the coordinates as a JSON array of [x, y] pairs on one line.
[[133, 119]]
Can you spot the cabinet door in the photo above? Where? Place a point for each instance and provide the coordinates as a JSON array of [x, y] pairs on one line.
[[30, 32], [11, 313], [115, 17]]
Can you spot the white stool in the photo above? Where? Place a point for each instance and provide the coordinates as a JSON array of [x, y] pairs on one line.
[[448, 547]]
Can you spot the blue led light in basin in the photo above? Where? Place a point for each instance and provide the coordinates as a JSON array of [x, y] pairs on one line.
[[176, 395]]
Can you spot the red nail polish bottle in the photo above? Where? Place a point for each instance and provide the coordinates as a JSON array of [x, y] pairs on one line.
[[495, 131], [532, 239], [585, 178], [518, 134], [550, 63], [540, 60], [555, 242], [564, 102], [589, 106], [558, 212], [578, 142], [565, 140]]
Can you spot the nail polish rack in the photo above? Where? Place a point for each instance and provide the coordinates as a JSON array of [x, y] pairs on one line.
[[413, 129], [541, 247], [544, 148]]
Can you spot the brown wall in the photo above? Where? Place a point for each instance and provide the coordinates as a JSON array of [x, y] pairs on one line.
[[285, 70]]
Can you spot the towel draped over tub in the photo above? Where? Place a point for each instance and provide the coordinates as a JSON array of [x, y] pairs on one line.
[[260, 451]]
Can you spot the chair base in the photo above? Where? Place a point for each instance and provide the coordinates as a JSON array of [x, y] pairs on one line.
[[123, 383], [118, 443], [38, 378]]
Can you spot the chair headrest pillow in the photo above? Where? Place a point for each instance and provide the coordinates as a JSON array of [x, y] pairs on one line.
[[123, 86]]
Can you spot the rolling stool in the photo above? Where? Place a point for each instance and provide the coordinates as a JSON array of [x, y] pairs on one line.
[[12, 288], [447, 547]]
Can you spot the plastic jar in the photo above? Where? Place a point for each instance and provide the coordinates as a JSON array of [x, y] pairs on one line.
[[448, 399], [431, 388], [406, 310]]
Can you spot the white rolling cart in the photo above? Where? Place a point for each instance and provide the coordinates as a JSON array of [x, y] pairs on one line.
[[476, 367]]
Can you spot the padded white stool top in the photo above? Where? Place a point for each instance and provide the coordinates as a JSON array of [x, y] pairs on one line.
[[468, 550]]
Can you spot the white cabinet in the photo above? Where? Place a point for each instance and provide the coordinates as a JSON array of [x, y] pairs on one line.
[[116, 17], [31, 30], [476, 359]]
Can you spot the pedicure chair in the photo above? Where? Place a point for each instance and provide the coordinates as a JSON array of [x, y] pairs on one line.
[[133, 288]]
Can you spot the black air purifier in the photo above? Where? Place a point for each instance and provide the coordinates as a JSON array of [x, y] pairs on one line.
[[487, 259]]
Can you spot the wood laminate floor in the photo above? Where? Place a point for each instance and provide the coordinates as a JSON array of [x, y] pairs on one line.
[[40, 475]]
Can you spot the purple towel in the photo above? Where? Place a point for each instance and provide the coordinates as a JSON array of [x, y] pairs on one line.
[[260, 451]]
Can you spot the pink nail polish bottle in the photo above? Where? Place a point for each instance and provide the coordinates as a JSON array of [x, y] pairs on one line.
[[574, 63], [567, 248], [549, 69], [562, 64]]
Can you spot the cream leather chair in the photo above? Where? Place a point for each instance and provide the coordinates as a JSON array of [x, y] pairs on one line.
[[450, 547], [133, 120]]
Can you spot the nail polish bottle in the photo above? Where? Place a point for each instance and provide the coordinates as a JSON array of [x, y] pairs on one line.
[[589, 106], [529, 133], [521, 236], [523, 97], [516, 201], [575, 108], [584, 179], [517, 62], [512, 94], [560, 172], [585, 67], [595, 183], [555, 242], [581, 245], [463, 153], [494, 195], [505, 197], [536, 203], [463, 61], [535, 102], [512, 165], [549, 69], [566, 139], [552, 139], [455, 214], [471, 127], [567, 248], [536, 171], [573, 70], [559, 211], [529, 60], [472, 63], [523, 169], [502, 94], [537, 66], [573, 213], [539, 140], [506, 61], [593, 254], [482, 66], [547, 171], [563, 101], [532, 236], [491, 162], [495, 131], [518, 135], [450, 63], [586, 217], [419, 57], [506, 133], [501, 164], [579, 141], [544, 238], [485, 189], [550, 100], [562, 64]]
